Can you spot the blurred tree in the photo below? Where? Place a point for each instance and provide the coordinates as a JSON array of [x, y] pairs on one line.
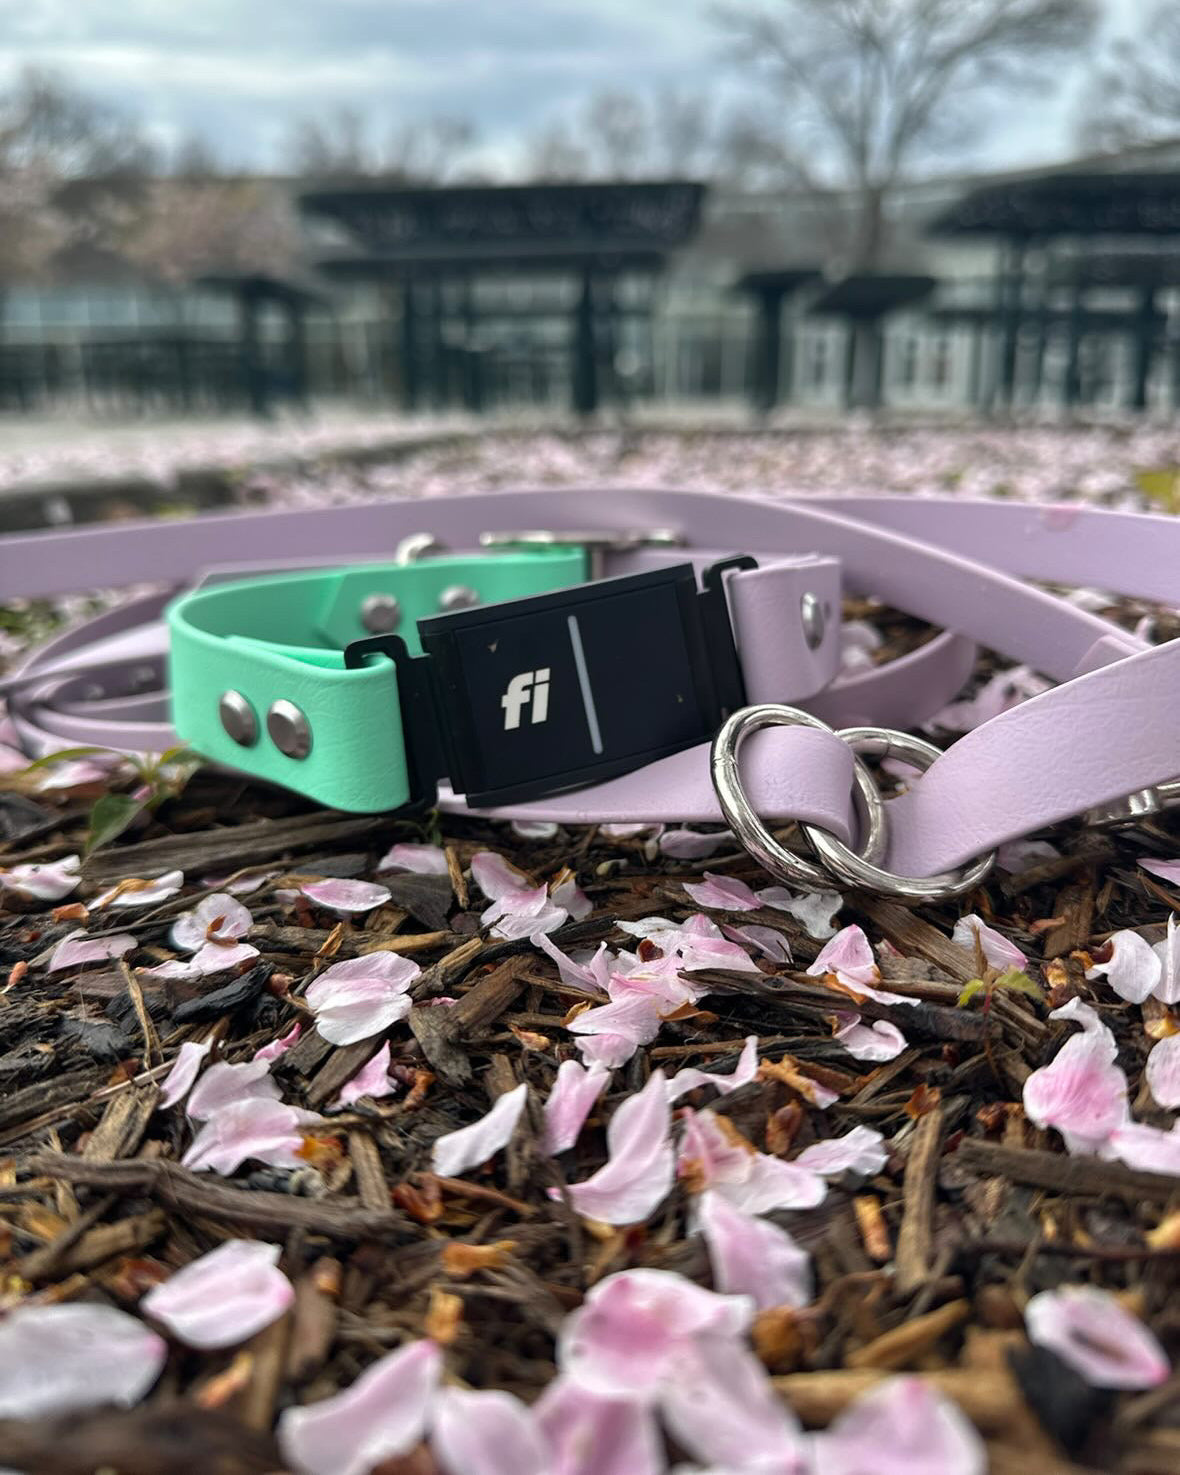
[[616, 134], [868, 88], [188, 227], [340, 146], [1133, 93]]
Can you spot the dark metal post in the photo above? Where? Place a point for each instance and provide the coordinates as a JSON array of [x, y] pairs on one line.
[[411, 381], [1145, 330], [584, 366]]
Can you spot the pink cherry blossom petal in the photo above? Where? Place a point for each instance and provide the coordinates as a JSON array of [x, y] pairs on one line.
[[815, 911], [593, 975], [216, 918], [1145, 1148], [630, 1333], [534, 829], [592, 1435], [1166, 870], [1018, 856], [487, 1434], [278, 1048], [524, 913], [371, 1080], [641, 1166], [1081, 1013], [77, 949], [569, 1103], [744, 1072], [1091, 1331], [494, 876], [216, 957], [570, 896], [224, 1297], [46, 881], [347, 897], [752, 1257], [860, 1151], [257, 1128], [1167, 990], [1081, 1092], [997, 950], [225, 1085], [359, 997], [62, 1359], [1163, 1073], [901, 1427], [692, 845], [722, 893], [1134, 968], [383, 1414], [421, 860], [185, 1069], [470, 1147], [877, 1041], [849, 956], [765, 940], [147, 894], [752, 1181]]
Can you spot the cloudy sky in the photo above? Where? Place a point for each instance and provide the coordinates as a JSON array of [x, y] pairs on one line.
[[241, 72]]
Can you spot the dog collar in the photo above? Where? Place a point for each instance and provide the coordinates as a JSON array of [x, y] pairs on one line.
[[1106, 730]]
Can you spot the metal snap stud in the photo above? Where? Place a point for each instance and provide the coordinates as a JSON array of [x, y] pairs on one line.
[[289, 729], [457, 596], [811, 613], [381, 614], [238, 719]]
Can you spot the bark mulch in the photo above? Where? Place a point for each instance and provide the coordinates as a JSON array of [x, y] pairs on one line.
[[925, 1267]]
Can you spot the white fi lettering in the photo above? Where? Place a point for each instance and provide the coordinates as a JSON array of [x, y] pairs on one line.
[[530, 688]]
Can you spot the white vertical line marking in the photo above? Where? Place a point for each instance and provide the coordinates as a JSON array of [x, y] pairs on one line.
[[584, 683]]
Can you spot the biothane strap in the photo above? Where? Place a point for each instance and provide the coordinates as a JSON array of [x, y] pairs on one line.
[[1109, 728]]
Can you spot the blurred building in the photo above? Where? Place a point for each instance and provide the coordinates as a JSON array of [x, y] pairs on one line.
[[1017, 289]]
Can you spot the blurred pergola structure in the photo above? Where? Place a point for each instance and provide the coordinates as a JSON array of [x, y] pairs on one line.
[[416, 242], [269, 371], [1101, 232]]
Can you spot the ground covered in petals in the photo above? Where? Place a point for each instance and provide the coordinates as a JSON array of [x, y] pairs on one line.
[[346, 1145]]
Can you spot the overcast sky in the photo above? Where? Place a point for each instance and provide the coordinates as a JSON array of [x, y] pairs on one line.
[[240, 72]]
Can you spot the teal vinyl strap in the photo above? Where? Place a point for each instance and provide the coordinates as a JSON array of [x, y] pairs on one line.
[[282, 639]]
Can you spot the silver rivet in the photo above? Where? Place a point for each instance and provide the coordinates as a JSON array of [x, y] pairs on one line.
[[416, 546], [381, 614], [811, 612], [238, 719], [457, 596], [289, 729]]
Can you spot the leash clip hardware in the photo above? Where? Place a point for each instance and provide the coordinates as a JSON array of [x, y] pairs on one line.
[[597, 543], [1133, 808], [858, 869]]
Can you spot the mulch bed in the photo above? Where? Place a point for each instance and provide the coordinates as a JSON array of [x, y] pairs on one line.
[[924, 1267]]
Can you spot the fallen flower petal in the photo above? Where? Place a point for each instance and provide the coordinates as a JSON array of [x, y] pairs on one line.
[[877, 1041], [224, 1297], [632, 1330], [1166, 870], [765, 940], [382, 1415], [346, 897], [422, 860], [278, 1048], [61, 1359], [592, 1435], [1167, 990], [744, 1072], [216, 957], [692, 845], [849, 956], [998, 952], [257, 1128], [901, 1427], [179, 1080], [1081, 1092], [1091, 1331], [860, 1151], [1134, 968], [487, 1434], [641, 1166], [712, 1158], [815, 911], [371, 1080], [48, 881], [495, 877], [534, 829], [752, 1257], [1018, 856], [217, 918], [225, 1085], [359, 997], [141, 893], [570, 896], [1146, 1148], [568, 1104], [469, 1147], [77, 949], [722, 893], [1163, 1073], [594, 974]]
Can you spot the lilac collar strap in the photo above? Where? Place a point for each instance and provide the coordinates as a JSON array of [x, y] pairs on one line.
[[1108, 729]]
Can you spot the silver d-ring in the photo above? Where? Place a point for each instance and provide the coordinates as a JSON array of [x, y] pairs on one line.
[[858, 870], [745, 822]]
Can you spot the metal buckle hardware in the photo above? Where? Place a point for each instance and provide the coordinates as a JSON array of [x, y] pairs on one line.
[[597, 543]]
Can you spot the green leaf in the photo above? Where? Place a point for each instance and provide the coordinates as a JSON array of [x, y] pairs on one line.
[[62, 755], [110, 817], [976, 986], [1016, 981]]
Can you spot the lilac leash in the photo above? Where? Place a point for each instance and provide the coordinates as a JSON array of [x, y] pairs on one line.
[[1108, 729]]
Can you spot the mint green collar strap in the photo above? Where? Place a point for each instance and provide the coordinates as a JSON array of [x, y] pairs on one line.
[[259, 680]]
